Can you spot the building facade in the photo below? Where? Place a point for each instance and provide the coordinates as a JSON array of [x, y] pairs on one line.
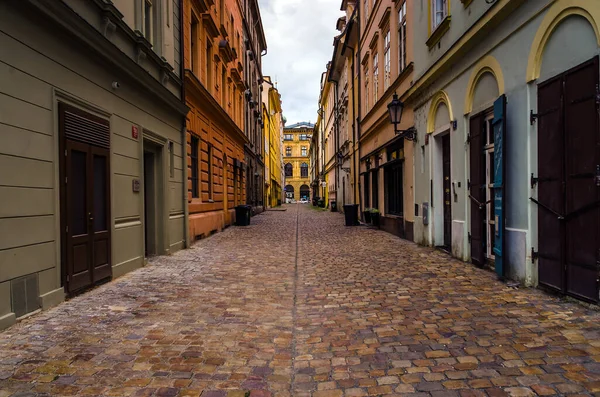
[[254, 47], [214, 91], [296, 142], [506, 108], [272, 120], [93, 130], [386, 158]]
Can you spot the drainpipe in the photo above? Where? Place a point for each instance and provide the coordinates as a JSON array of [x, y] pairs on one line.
[[359, 103], [186, 211]]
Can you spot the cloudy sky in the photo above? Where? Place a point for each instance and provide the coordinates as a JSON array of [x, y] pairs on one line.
[[300, 43]]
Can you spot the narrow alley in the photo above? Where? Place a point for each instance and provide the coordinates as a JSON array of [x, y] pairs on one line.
[[306, 317]]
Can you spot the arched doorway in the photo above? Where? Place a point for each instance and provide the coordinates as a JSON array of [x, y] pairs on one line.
[[289, 192], [304, 192]]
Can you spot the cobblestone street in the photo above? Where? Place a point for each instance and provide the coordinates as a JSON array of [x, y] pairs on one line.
[[299, 305]]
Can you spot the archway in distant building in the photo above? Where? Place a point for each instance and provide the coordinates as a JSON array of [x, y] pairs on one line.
[[304, 192], [289, 192]]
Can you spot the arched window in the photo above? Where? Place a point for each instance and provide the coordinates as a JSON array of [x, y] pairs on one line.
[[289, 169], [304, 170]]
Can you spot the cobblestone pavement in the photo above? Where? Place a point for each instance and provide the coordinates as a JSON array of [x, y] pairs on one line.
[[297, 304]]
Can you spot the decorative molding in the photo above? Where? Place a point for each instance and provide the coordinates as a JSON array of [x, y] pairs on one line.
[[559, 11], [439, 98], [487, 64]]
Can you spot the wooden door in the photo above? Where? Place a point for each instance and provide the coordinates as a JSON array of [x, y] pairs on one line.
[[85, 198], [582, 163], [447, 191], [477, 189], [569, 182], [550, 187]]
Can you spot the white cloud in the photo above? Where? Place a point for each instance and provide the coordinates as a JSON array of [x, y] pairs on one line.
[[299, 37]]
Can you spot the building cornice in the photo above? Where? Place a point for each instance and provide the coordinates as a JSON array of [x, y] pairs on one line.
[[97, 40]]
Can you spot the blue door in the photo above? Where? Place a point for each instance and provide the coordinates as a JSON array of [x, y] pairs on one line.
[[499, 183]]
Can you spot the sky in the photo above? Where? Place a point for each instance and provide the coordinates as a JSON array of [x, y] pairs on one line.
[[299, 37]]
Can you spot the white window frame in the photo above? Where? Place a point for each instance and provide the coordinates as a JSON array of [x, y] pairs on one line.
[[439, 12], [387, 60], [375, 77], [402, 37]]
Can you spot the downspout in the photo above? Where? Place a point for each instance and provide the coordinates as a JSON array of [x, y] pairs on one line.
[[186, 210]]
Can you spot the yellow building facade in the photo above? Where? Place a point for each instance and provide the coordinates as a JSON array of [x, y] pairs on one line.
[[273, 127], [296, 161]]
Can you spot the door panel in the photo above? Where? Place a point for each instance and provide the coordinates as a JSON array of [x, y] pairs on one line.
[[581, 155], [477, 189], [101, 215], [447, 191], [550, 187], [499, 127], [78, 207]]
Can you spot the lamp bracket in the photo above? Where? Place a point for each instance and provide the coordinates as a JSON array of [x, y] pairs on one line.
[[409, 134]]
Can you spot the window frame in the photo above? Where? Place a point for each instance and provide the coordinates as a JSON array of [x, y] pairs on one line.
[[290, 167], [438, 7], [387, 60], [303, 151], [304, 170], [375, 77], [195, 165], [288, 151], [402, 37]]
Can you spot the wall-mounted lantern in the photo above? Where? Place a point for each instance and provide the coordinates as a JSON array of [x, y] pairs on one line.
[[395, 109]]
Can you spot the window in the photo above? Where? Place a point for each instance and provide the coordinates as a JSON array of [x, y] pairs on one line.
[[171, 159], [394, 192], [289, 170], [439, 11], [375, 77], [194, 46], [366, 7], [208, 65], [386, 60], [375, 189], [304, 170], [366, 190], [366, 88], [402, 37], [288, 151], [223, 87], [303, 137], [288, 137], [148, 23], [210, 172], [195, 143], [304, 151]]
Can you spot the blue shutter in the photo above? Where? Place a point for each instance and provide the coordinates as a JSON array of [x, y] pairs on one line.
[[499, 125]]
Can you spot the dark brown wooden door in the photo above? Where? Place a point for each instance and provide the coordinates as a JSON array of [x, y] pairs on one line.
[[447, 191], [477, 189], [568, 191], [85, 198], [582, 158], [87, 215]]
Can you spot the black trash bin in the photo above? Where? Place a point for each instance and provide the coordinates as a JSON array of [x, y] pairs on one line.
[[333, 205], [321, 203], [242, 215], [351, 214]]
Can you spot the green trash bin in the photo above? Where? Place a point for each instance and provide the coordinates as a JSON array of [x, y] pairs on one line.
[[333, 205]]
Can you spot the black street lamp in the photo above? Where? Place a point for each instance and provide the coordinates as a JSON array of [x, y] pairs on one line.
[[395, 109]]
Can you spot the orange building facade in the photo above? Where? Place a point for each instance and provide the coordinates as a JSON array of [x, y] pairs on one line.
[[214, 92]]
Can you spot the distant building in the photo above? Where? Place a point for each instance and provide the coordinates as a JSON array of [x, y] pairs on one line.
[[273, 129], [296, 143]]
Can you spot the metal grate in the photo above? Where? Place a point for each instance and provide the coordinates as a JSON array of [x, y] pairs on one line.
[[24, 295], [83, 127]]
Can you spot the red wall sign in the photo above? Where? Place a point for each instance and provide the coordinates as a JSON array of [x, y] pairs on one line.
[[134, 132]]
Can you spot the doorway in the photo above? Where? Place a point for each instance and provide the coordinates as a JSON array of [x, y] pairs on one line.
[[85, 198], [441, 191], [153, 188], [568, 182]]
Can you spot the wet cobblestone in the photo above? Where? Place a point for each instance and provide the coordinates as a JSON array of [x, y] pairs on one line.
[[297, 304]]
